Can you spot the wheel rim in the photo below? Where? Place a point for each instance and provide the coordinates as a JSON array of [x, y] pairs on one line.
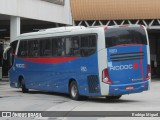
[[74, 91]]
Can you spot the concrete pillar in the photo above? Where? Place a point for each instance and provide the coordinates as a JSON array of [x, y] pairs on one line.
[[73, 23], [14, 27]]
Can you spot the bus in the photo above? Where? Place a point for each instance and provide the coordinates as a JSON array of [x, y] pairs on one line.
[[104, 61]]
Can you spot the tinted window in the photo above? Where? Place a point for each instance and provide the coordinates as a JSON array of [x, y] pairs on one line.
[[33, 46], [88, 45], [46, 47], [72, 46], [12, 51], [55, 46], [68, 47], [58, 46], [14, 46], [83, 45], [119, 36], [76, 51], [23, 49]]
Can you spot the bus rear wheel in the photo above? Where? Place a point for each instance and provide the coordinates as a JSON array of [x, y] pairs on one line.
[[24, 89], [113, 97], [73, 89]]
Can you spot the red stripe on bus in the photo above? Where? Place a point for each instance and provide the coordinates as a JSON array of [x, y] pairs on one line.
[[49, 60], [122, 45]]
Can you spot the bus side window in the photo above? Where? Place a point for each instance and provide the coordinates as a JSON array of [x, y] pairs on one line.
[[84, 45], [46, 47], [76, 46], [62, 47], [88, 45], [92, 44], [33, 48], [69, 47], [58, 47], [54, 46], [23, 49], [72, 46]]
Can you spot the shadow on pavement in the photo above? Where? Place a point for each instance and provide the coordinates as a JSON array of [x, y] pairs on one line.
[[4, 82], [104, 100], [155, 78], [46, 93], [89, 99]]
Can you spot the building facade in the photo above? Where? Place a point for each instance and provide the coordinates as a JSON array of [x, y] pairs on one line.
[[53, 11], [120, 12], [21, 16], [113, 12]]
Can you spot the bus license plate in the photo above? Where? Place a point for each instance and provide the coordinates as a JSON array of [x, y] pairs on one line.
[[129, 88]]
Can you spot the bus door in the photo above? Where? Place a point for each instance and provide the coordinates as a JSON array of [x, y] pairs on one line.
[[9, 56]]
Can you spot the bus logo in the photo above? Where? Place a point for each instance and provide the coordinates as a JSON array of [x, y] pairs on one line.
[[135, 66], [125, 67], [112, 51], [83, 68], [21, 65]]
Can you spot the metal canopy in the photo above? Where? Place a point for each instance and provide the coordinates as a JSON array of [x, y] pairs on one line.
[[149, 24]]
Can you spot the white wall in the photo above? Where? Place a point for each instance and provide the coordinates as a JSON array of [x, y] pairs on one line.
[[37, 9]]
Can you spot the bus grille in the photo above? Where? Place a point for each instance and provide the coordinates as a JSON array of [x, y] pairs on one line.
[[93, 83], [127, 56]]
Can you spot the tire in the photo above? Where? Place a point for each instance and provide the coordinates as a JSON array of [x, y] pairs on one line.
[[24, 89], [73, 91], [113, 97]]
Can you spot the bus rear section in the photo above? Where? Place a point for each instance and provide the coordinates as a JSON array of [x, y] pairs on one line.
[[128, 65]]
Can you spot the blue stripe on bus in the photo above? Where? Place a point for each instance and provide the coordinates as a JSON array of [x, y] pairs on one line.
[[55, 77]]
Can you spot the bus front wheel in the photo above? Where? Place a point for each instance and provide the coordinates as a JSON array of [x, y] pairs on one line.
[[113, 97], [24, 89], [73, 89]]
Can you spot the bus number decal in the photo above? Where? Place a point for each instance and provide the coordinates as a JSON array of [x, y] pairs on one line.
[[83, 68], [112, 51]]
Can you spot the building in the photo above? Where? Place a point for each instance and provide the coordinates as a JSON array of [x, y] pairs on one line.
[[21, 16], [119, 12]]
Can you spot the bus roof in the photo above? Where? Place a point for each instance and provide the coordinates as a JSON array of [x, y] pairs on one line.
[[69, 29], [53, 30]]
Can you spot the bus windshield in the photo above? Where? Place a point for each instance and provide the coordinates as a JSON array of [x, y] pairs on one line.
[[122, 36]]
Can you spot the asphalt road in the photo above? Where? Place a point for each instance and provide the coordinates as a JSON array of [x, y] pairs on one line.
[[12, 99]]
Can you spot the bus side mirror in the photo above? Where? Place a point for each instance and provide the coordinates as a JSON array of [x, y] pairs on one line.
[[5, 52]]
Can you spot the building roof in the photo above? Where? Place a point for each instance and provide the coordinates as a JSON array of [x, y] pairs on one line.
[[115, 9]]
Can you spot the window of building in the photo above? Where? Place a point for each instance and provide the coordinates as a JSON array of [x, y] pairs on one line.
[[59, 2]]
